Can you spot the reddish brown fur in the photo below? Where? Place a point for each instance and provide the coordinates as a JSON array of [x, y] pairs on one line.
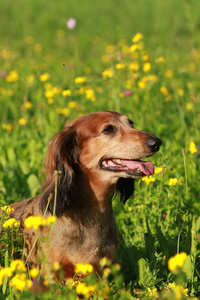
[[86, 222]]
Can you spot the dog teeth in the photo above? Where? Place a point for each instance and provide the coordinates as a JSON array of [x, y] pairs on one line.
[[118, 161]]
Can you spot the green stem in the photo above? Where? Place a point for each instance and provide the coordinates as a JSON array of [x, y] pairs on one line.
[[186, 179], [179, 236], [32, 248]]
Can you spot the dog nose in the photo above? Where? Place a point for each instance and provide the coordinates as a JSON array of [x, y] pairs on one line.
[[154, 144]]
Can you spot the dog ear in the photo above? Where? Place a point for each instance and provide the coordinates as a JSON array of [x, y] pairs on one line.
[[62, 156], [125, 186]]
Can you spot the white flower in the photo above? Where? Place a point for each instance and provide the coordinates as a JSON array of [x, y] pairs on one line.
[[71, 23]]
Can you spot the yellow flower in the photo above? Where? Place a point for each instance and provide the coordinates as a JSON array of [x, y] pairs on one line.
[[146, 67], [2, 91], [134, 47], [50, 101], [158, 170], [107, 73], [49, 93], [141, 84], [160, 60], [17, 265], [106, 272], [26, 105], [72, 104], [47, 279], [56, 266], [145, 57], [57, 90], [134, 66], [51, 220], [65, 111], [169, 74], [48, 86], [7, 209], [90, 94], [137, 37], [128, 84], [180, 92], [179, 290], [20, 282], [83, 289], [22, 121], [104, 262], [168, 98], [153, 78], [189, 106], [12, 76], [7, 54], [176, 262], [12, 222], [44, 77], [38, 47], [66, 93], [79, 80], [110, 48], [164, 91], [189, 85], [192, 67], [105, 58], [35, 222], [152, 293], [173, 181], [148, 179], [125, 49], [84, 268], [192, 148], [5, 273], [30, 78], [34, 273], [119, 66], [82, 90], [8, 127]]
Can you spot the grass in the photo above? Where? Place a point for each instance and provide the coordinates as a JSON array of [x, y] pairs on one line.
[[161, 219]]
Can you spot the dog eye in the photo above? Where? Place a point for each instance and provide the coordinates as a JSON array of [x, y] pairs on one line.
[[130, 122], [109, 129]]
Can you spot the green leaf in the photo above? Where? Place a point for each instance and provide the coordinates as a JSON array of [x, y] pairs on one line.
[[24, 165], [149, 242], [33, 184], [6, 259], [144, 272], [164, 244], [187, 268], [11, 156]]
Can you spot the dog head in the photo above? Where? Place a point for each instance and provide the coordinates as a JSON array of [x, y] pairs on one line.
[[102, 145]]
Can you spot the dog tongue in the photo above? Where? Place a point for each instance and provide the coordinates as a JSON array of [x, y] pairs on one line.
[[145, 166]]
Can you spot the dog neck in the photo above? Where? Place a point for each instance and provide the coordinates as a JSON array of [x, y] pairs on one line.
[[90, 190]]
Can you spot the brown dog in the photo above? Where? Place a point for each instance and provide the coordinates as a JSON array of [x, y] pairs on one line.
[[96, 155]]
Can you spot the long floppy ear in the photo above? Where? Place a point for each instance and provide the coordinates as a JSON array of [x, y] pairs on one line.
[[125, 186], [62, 156]]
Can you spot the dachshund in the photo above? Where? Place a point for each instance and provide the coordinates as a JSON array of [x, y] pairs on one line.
[[95, 156]]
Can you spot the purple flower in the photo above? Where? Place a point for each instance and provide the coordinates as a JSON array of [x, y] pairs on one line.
[[127, 93], [71, 23], [3, 74]]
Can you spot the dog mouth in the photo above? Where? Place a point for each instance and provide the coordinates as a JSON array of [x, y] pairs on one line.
[[135, 168]]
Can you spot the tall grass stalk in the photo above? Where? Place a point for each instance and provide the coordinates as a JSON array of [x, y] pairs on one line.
[[186, 179]]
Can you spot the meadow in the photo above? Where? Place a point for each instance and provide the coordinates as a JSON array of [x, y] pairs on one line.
[[140, 58]]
